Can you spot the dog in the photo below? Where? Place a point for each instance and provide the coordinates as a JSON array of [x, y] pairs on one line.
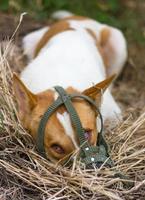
[[79, 54]]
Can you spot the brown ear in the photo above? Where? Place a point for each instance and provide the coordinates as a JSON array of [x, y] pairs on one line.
[[95, 92], [25, 99]]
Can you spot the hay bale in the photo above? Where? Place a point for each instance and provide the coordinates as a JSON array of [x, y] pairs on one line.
[[26, 175]]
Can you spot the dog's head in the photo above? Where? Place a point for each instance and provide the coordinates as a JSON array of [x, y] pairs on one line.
[[60, 138]]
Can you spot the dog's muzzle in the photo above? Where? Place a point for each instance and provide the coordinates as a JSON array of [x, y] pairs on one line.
[[90, 155]]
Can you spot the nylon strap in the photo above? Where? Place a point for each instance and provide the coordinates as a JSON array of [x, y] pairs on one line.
[[89, 154], [73, 114], [101, 139]]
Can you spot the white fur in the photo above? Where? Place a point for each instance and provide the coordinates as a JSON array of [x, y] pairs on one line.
[[71, 58], [64, 119], [61, 14]]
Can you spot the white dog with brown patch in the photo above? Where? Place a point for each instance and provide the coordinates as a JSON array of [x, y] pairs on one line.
[[78, 54]]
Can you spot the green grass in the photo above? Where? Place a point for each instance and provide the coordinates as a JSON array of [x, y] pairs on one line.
[[43, 8]]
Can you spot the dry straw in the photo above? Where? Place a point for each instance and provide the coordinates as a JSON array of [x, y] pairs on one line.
[[26, 175]]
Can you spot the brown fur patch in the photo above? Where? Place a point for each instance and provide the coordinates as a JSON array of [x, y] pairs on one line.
[[54, 30], [104, 35], [104, 46]]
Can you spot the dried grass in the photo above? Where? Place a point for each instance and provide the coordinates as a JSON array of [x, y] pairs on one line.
[[26, 175]]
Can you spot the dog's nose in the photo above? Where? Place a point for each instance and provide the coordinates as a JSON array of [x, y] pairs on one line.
[[88, 134]]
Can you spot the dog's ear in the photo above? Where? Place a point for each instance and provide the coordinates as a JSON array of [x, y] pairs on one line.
[[95, 92], [25, 99]]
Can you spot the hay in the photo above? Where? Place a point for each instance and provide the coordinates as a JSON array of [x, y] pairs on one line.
[[26, 175]]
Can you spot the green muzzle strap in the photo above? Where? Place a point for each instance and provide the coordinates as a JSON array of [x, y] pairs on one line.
[[89, 154]]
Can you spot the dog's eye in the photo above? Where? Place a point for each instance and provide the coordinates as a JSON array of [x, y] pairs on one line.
[[58, 149], [88, 133]]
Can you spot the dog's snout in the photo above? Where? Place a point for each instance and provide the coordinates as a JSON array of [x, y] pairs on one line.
[[88, 134]]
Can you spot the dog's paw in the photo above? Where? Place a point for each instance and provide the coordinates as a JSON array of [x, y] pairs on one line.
[[111, 112]]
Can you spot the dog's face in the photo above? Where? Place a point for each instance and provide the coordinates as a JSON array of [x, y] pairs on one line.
[[60, 138]]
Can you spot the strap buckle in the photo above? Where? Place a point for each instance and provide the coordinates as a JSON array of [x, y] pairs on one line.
[[95, 156]]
